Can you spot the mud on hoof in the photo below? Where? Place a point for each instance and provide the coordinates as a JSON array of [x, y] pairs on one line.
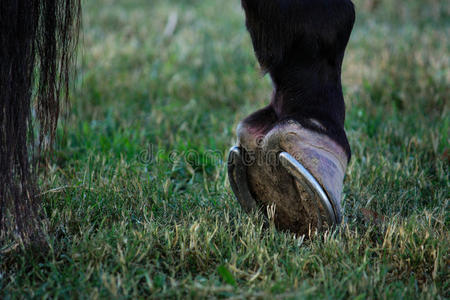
[[296, 170]]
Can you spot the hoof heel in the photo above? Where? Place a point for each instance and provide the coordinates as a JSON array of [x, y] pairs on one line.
[[237, 175]]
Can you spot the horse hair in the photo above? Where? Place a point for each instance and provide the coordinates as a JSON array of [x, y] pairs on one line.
[[38, 39]]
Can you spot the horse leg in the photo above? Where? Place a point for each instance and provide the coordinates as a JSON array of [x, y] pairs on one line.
[[297, 145]]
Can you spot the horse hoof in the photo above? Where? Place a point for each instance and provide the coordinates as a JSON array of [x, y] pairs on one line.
[[297, 171]]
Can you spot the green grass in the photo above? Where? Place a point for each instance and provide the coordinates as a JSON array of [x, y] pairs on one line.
[[124, 224]]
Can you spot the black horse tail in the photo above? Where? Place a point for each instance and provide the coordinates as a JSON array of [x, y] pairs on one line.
[[38, 41]]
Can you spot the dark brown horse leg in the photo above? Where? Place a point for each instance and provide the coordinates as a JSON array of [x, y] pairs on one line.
[[299, 152]]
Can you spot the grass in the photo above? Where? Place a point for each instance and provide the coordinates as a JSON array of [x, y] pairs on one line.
[[136, 195]]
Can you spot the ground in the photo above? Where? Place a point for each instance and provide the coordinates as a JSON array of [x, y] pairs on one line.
[[137, 198]]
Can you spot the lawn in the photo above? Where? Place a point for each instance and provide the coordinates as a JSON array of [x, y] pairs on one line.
[[137, 197]]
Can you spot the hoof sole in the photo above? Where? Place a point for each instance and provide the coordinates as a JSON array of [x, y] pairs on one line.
[[304, 178], [310, 193]]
